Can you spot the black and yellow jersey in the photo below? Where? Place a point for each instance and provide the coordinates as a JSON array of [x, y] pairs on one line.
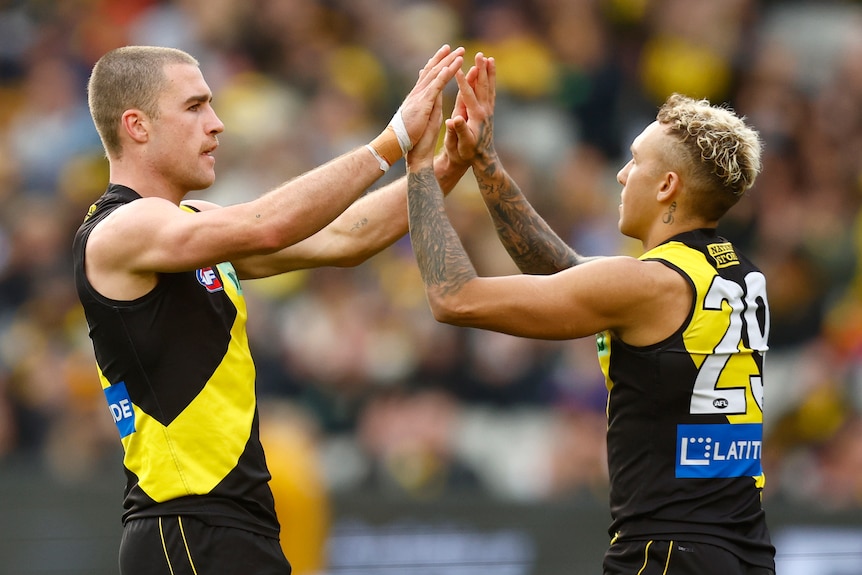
[[179, 380], [685, 415]]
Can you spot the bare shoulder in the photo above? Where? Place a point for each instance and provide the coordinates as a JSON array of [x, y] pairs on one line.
[[653, 300], [631, 272], [128, 223], [116, 244]]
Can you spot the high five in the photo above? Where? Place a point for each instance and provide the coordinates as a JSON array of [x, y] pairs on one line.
[[681, 331]]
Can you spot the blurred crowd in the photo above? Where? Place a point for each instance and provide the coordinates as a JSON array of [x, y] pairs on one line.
[[359, 385]]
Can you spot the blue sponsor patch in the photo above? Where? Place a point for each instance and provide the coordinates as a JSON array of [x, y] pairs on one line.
[[121, 408], [719, 450]]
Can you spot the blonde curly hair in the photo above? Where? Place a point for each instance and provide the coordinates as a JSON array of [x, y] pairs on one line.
[[721, 151]]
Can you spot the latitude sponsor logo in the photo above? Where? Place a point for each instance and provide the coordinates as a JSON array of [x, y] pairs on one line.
[[719, 450]]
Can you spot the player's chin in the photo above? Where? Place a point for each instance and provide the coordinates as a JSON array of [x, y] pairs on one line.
[[625, 228], [202, 181]]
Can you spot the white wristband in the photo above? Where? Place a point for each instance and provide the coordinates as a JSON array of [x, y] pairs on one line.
[[397, 124], [384, 165]]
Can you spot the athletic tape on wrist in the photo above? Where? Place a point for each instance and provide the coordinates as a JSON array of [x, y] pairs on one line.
[[397, 124], [384, 165], [386, 146]]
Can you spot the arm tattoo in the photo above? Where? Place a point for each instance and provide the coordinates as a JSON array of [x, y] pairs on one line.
[[439, 253], [486, 138], [530, 241]]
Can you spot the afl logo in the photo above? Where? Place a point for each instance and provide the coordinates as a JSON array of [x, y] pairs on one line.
[[720, 403], [208, 278]]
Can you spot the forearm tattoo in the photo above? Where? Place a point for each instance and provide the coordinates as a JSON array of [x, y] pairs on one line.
[[439, 253], [486, 138], [530, 241]]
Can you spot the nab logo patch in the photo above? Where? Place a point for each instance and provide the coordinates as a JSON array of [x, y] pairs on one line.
[[209, 279], [121, 408]]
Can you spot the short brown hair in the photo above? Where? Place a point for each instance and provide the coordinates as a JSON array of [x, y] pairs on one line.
[[724, 152], [126, 78]]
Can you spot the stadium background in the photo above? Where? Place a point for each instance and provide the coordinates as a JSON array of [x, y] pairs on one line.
[[398, 444]]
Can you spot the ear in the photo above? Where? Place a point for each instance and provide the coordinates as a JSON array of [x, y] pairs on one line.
[[669, 187], [135, 124]]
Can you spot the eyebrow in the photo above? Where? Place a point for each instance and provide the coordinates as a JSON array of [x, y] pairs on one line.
[[202, 98]]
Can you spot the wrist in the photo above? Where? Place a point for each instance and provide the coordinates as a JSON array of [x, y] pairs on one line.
[[448, 171], [415, 165], [482, 161], [454, 164], [385, 148], [392, 143]]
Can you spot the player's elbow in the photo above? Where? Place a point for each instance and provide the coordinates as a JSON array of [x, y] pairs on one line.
[[351, 259], [450, 309]]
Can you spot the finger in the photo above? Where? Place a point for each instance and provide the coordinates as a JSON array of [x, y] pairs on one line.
[[466, 93], [438, 56], [444, 61], [471, 75], [451, 125], [442, 78], [454, 67], [482, 77], [492, 80], [459, 129], [437, 111], [440, 75], [428, 140], [459, 109], [451, 142], [470, 79], [450, 137], [456, 125], [464, 134]]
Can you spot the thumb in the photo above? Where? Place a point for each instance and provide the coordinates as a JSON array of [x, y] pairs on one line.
[[459, 125], [453, 127]]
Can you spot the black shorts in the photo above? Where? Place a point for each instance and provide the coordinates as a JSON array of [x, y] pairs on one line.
[[675, 558], [184, 545]]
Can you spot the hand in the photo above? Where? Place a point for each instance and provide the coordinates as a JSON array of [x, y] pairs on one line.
[[422, 154], [470, 131], [417, 106]]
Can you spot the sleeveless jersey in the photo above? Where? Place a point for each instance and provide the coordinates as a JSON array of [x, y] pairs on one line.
[[179, 380], [685, 417]]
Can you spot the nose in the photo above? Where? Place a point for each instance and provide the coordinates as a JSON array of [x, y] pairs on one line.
[[623, 174], [216, 125]]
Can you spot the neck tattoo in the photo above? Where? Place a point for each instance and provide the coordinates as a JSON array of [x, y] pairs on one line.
[[668, 217]]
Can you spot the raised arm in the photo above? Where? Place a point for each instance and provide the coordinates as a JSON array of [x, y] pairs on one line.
[[369, 225], [366, 227], [127, 250], [619, 293], [442, 261], [529, 240]]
